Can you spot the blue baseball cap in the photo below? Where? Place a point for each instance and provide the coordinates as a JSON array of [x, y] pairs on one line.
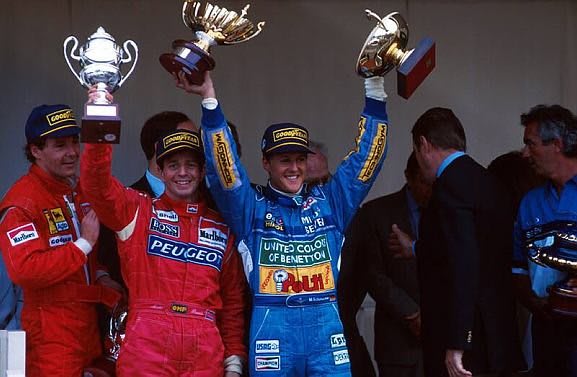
[[51, 121], [285, 138]]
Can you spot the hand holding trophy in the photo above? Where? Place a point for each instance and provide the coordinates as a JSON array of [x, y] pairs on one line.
[[384, 50], [211, 25], [100, 59]]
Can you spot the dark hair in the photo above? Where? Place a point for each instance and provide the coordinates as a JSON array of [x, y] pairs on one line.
[[516, 174], [441, 128], [40, 143], [412, 168], [554, 122], [156, 126]]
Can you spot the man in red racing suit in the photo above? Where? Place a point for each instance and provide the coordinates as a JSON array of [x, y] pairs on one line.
[[186, 283], [47, 233]]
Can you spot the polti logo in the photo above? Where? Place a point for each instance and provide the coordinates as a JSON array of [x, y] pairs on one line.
[[265, 363], [22, 234], [267, 346]]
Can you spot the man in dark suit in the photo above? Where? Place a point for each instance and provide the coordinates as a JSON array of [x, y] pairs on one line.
[[391, 281], [463, 255]]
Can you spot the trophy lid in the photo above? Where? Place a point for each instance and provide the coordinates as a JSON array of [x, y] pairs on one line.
[[101, 34]]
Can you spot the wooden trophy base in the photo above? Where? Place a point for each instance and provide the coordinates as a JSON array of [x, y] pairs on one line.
[[416, 67], [187, 58], [100, 124]]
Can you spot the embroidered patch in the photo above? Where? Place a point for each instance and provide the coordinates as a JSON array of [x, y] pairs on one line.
[[164, 228], [22, 234], [60, 240], [341, 357], [211, 233], [264, 363], [184, 252], [338, 340], [167, 215], [267, 346]]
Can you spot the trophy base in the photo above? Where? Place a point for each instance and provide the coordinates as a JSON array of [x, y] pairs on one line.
[[563, 297], [100, 124], [188, 58], [415, 68]]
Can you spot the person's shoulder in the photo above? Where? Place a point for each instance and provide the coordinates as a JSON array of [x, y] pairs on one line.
[[385, 201]]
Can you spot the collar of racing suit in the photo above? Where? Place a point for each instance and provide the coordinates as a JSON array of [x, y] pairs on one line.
[[51, 184], [284, 199], [183, 208]]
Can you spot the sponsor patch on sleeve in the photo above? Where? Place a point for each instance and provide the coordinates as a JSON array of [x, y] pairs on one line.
[[338, 340], [267, 346], [265, 363], [60, 240], [22, 234], [223, 160], [376, 152], [341, 357]]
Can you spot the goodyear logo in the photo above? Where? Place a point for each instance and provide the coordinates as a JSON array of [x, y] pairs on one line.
[[181, 137], [221, 150], [290, 133], [376, 153], [60, 116], [184, 252], [181, 309]]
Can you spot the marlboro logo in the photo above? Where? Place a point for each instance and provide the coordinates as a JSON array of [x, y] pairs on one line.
[[22, 234]]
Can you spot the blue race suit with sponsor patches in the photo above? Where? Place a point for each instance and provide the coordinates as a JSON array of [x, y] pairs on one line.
[[290, 247]]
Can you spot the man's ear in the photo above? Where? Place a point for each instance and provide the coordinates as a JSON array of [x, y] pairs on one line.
[[424, 144], [559, 145], [266, 164], [35, 151]]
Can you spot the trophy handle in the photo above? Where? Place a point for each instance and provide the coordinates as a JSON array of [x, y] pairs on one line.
[[129, 58], [75, 57], [259, 29]]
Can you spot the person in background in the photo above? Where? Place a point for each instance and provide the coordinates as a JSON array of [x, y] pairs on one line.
[[550, 138], [10, 301], [463, 257], [48, 234], [317, 164], [391, 281]]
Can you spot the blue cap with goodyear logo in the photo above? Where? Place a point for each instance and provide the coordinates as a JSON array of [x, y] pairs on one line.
[[178, 140], [51, 121], [285, 138]]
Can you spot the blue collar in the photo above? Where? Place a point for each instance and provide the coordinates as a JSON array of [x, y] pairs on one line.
[[155, 183], [447, 161]]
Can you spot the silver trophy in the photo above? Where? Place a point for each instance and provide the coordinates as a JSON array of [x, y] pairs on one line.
[[386, 48], [100, 59]]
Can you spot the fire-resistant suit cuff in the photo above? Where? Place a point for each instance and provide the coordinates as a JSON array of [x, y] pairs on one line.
[[83, 245], [233, 363], [209, 103]]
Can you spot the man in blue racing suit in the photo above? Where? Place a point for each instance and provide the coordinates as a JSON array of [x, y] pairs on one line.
[[290, 234]]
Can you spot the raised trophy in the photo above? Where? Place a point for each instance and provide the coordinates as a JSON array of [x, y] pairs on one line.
[[211, 25], [100, 59], [557, 249], [386, 48]]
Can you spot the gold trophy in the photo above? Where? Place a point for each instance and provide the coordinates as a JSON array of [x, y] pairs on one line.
[[211, 25], [385, 49]]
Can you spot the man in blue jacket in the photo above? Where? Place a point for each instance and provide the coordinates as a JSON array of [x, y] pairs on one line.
[[290, 234]]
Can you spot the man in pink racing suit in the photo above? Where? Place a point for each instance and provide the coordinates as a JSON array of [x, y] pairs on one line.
[[186, 283]]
